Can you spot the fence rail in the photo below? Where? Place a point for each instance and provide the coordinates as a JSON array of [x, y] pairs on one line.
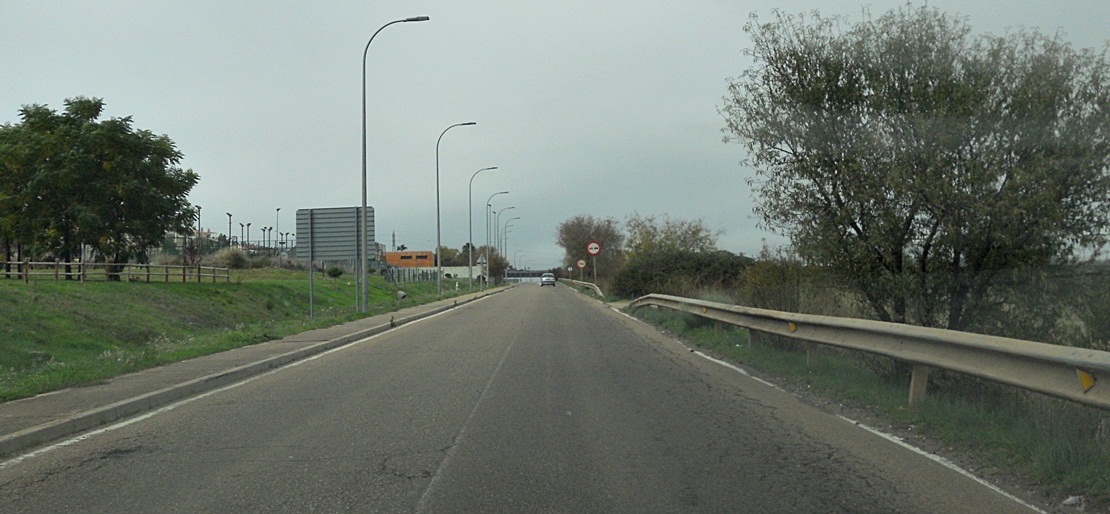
[[1077, 374], [99, 271]]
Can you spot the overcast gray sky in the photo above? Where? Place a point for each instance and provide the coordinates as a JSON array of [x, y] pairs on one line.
[[606, 108]]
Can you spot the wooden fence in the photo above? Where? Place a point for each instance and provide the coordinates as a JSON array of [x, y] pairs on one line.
[[100, 271]]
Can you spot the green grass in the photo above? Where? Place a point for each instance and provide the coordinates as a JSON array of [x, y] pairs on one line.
[[58, 335], [1047, 441]]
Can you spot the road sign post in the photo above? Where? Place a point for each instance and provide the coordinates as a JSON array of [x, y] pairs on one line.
[[593, 248]]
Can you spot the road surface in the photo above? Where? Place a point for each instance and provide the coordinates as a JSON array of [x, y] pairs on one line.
[[533, 400]]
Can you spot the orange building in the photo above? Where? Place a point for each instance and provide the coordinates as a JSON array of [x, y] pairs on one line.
[[414, 259]]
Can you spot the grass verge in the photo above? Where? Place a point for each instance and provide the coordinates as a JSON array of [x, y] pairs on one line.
[[1059, 447], [59, 335]]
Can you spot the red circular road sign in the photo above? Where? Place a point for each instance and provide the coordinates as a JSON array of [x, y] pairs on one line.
[[581, 263], [593, 248]]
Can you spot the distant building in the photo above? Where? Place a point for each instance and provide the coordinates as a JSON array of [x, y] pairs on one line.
[[413, 259]]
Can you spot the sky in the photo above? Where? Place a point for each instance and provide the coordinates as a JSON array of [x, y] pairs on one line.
[[587, 107]]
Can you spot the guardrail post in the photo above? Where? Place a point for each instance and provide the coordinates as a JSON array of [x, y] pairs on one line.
[[57, 262], [148, 273], [198, 272], [919, 381], [184, 269], [811, 355], [755, 337], [26, 272]]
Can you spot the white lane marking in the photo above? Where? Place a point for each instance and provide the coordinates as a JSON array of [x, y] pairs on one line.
[[942, 461], [422, 505], [142, 417], [892, 438]]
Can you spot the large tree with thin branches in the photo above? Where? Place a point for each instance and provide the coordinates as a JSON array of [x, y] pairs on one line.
[[933, 169]]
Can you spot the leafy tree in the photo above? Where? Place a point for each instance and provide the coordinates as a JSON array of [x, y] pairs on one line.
[[648, 234], [78, 181], [927, 167], [574, 234], [451, 257]]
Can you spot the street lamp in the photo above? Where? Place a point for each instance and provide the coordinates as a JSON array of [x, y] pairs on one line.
[[439, 262], [489, 207], [505, 240], [248, 240], [362, 222], [497, 228], [505, 236], [241, 228], [470, 226], [228, 229], [277, 225]]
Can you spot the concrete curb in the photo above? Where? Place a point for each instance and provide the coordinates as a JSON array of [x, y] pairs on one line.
[[53, 430]]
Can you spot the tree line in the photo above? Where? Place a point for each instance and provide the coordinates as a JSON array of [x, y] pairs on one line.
[[939, 178], [71, 181]]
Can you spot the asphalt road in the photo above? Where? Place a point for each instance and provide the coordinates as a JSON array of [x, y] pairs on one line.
[[533, 400]]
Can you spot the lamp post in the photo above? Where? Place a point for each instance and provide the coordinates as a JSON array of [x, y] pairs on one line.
[[489, 207], [470, 226], [241, 228], [248, 240], [277, 225], [439, 262], [228, 229], [505, 236], [497, 228], [198, 233], [362, 221], [505, 240]]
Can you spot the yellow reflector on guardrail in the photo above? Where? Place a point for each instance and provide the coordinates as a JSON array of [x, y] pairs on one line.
[[1086, 380], [793, 327]]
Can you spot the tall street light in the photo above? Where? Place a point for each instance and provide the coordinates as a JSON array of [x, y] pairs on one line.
[[505, 237], [489, 207], [439, 262], [199, 253], [228, 229], [362, 221], [470, 225], [497, 228], [277, 226]]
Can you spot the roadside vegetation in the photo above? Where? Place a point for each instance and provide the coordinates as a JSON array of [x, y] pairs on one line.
[[58, 335]]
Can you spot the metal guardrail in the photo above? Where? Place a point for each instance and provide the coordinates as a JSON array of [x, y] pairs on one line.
[[1076, 374], [584, 284], [86, 271]]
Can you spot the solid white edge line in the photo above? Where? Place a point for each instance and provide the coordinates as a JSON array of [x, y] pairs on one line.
[[142, 417], [889, 437], [942, 461]]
